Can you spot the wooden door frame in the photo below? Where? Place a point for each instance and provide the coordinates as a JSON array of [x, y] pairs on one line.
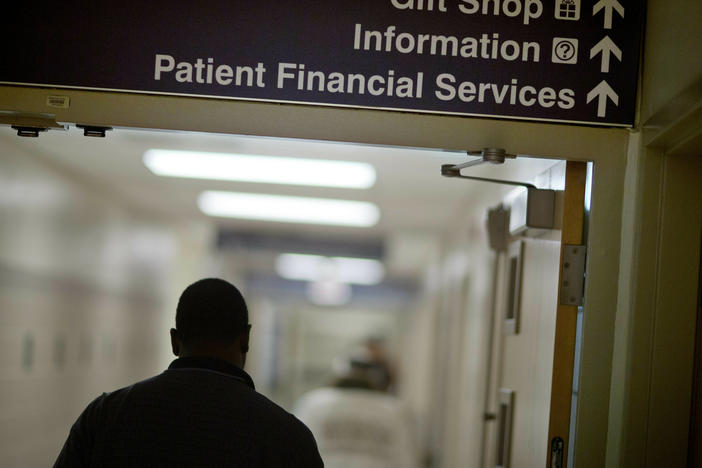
[[566, 315]]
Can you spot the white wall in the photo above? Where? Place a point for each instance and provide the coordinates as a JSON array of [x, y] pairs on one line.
[[86, 298], [444, 348], [641, 395]]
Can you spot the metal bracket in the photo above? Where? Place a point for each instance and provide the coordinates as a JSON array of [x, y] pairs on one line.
[[557, 450], [487, 155], [25, 131], [94, 131], [454, 170], [573, 275], [26, 120], [497, 224]]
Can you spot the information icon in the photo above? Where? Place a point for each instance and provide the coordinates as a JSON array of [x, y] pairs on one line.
[[565, 50], [568, 10]]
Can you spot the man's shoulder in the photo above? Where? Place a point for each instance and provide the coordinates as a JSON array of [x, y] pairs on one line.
[[289, 435], [288, 420], [120, 393], [108, 402]]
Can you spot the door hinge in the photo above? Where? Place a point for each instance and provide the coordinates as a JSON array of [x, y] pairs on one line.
[[573, 275]]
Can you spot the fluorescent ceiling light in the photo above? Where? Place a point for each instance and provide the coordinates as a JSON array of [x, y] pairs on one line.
[[288, 209], [262, 169], [328, 293], [337, 269]]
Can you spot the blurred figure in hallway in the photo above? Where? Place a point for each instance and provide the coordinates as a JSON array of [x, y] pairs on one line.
[[373, 354], [356, 423]]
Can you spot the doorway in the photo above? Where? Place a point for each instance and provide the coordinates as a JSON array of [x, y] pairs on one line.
[[105, 198]]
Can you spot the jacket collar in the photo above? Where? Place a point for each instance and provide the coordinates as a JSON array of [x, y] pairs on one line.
[[214, 365]]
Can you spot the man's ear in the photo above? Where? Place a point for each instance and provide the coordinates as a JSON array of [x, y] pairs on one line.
[[176, 344], [245, 339]]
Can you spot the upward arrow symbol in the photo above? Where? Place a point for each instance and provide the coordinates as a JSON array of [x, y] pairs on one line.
[[609, 7], [606, 47], [603, 91]]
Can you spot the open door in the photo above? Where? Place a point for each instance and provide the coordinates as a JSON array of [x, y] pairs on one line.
[[571, 269], [538, 294]]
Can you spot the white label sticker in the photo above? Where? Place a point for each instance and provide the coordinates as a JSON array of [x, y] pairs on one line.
[[64, 102]]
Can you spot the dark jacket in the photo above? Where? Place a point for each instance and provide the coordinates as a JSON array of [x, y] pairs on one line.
[[199, 412]]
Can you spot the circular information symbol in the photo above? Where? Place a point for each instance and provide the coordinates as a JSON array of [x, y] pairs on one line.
[[565, 50]]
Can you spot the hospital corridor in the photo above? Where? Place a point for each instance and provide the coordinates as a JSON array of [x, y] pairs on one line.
[[467, 233]]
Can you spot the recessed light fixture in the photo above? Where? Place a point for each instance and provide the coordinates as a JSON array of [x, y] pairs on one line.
[[288, 209], [261, 169], [328, 293], [318, 268]]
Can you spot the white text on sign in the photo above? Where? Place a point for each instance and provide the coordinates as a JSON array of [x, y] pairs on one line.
[[526, 9]]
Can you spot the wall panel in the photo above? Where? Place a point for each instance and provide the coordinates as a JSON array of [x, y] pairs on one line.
[[85, 290]]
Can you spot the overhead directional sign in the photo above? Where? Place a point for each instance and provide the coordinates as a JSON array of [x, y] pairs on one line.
[[570, 61]]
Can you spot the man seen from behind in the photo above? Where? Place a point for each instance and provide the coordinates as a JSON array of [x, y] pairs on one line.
[[201, 411]]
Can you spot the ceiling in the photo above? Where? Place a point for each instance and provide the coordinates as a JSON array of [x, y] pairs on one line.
[[417, 205]]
